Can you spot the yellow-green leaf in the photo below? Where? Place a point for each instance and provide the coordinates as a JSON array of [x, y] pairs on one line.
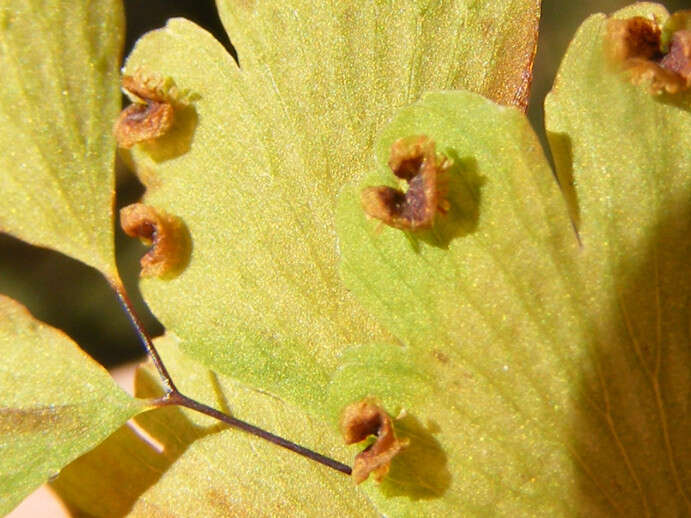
[[628, 154], [352, 62], [255, 162], [209, 470], [56, 403], [481, 368], [550, 374], [105, 482], [58, 101]]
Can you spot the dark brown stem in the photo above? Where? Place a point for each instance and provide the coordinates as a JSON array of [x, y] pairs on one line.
[[174, 397], [144, 337]]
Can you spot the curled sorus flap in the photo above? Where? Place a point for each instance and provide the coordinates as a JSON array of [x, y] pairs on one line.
[[658, 55], [167, 234], [413, 160], [364, 419]]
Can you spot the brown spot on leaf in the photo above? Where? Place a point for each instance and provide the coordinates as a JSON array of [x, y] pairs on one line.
[[636, 37], [38, 419], [150, 116], [439, 355], [142, 122], [413, 160], [167, 234], [636, 45], [364, 419]]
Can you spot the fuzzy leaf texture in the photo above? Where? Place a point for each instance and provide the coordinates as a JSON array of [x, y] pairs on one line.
[[540, 374], [197, 467], [628, 154], [488, 341], [553, 377], [59, 98], [255, 162], [56, 403]]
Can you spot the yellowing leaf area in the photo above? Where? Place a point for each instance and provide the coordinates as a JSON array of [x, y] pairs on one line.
[[532, 346]]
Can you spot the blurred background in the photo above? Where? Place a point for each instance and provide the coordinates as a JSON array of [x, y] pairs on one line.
[[74, 298]]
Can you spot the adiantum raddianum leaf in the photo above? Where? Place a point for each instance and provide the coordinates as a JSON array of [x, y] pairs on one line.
[[56, 403], [196, 467], [59, 98], [627, 151], [533, 372], [481, 368], [259, 152], [540, 373]]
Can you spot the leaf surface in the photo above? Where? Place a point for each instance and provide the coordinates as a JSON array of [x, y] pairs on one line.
[[230, 473], [106, 481], [552, 373], [207, 469], [371, 56], [55, 403], [489, 342], [59, 99], [254, 165], [628, 154]]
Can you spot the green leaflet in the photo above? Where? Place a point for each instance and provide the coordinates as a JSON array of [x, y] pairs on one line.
[[360, 59], [208, 470], [628, 154], [486, 307], [254, 166], [55, 403], [549, 377], [59, 99]]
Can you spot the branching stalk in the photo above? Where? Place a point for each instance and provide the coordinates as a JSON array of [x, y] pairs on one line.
[[174, 397], [144, 337]]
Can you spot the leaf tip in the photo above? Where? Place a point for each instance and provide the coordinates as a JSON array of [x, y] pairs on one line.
[[361, 420]]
